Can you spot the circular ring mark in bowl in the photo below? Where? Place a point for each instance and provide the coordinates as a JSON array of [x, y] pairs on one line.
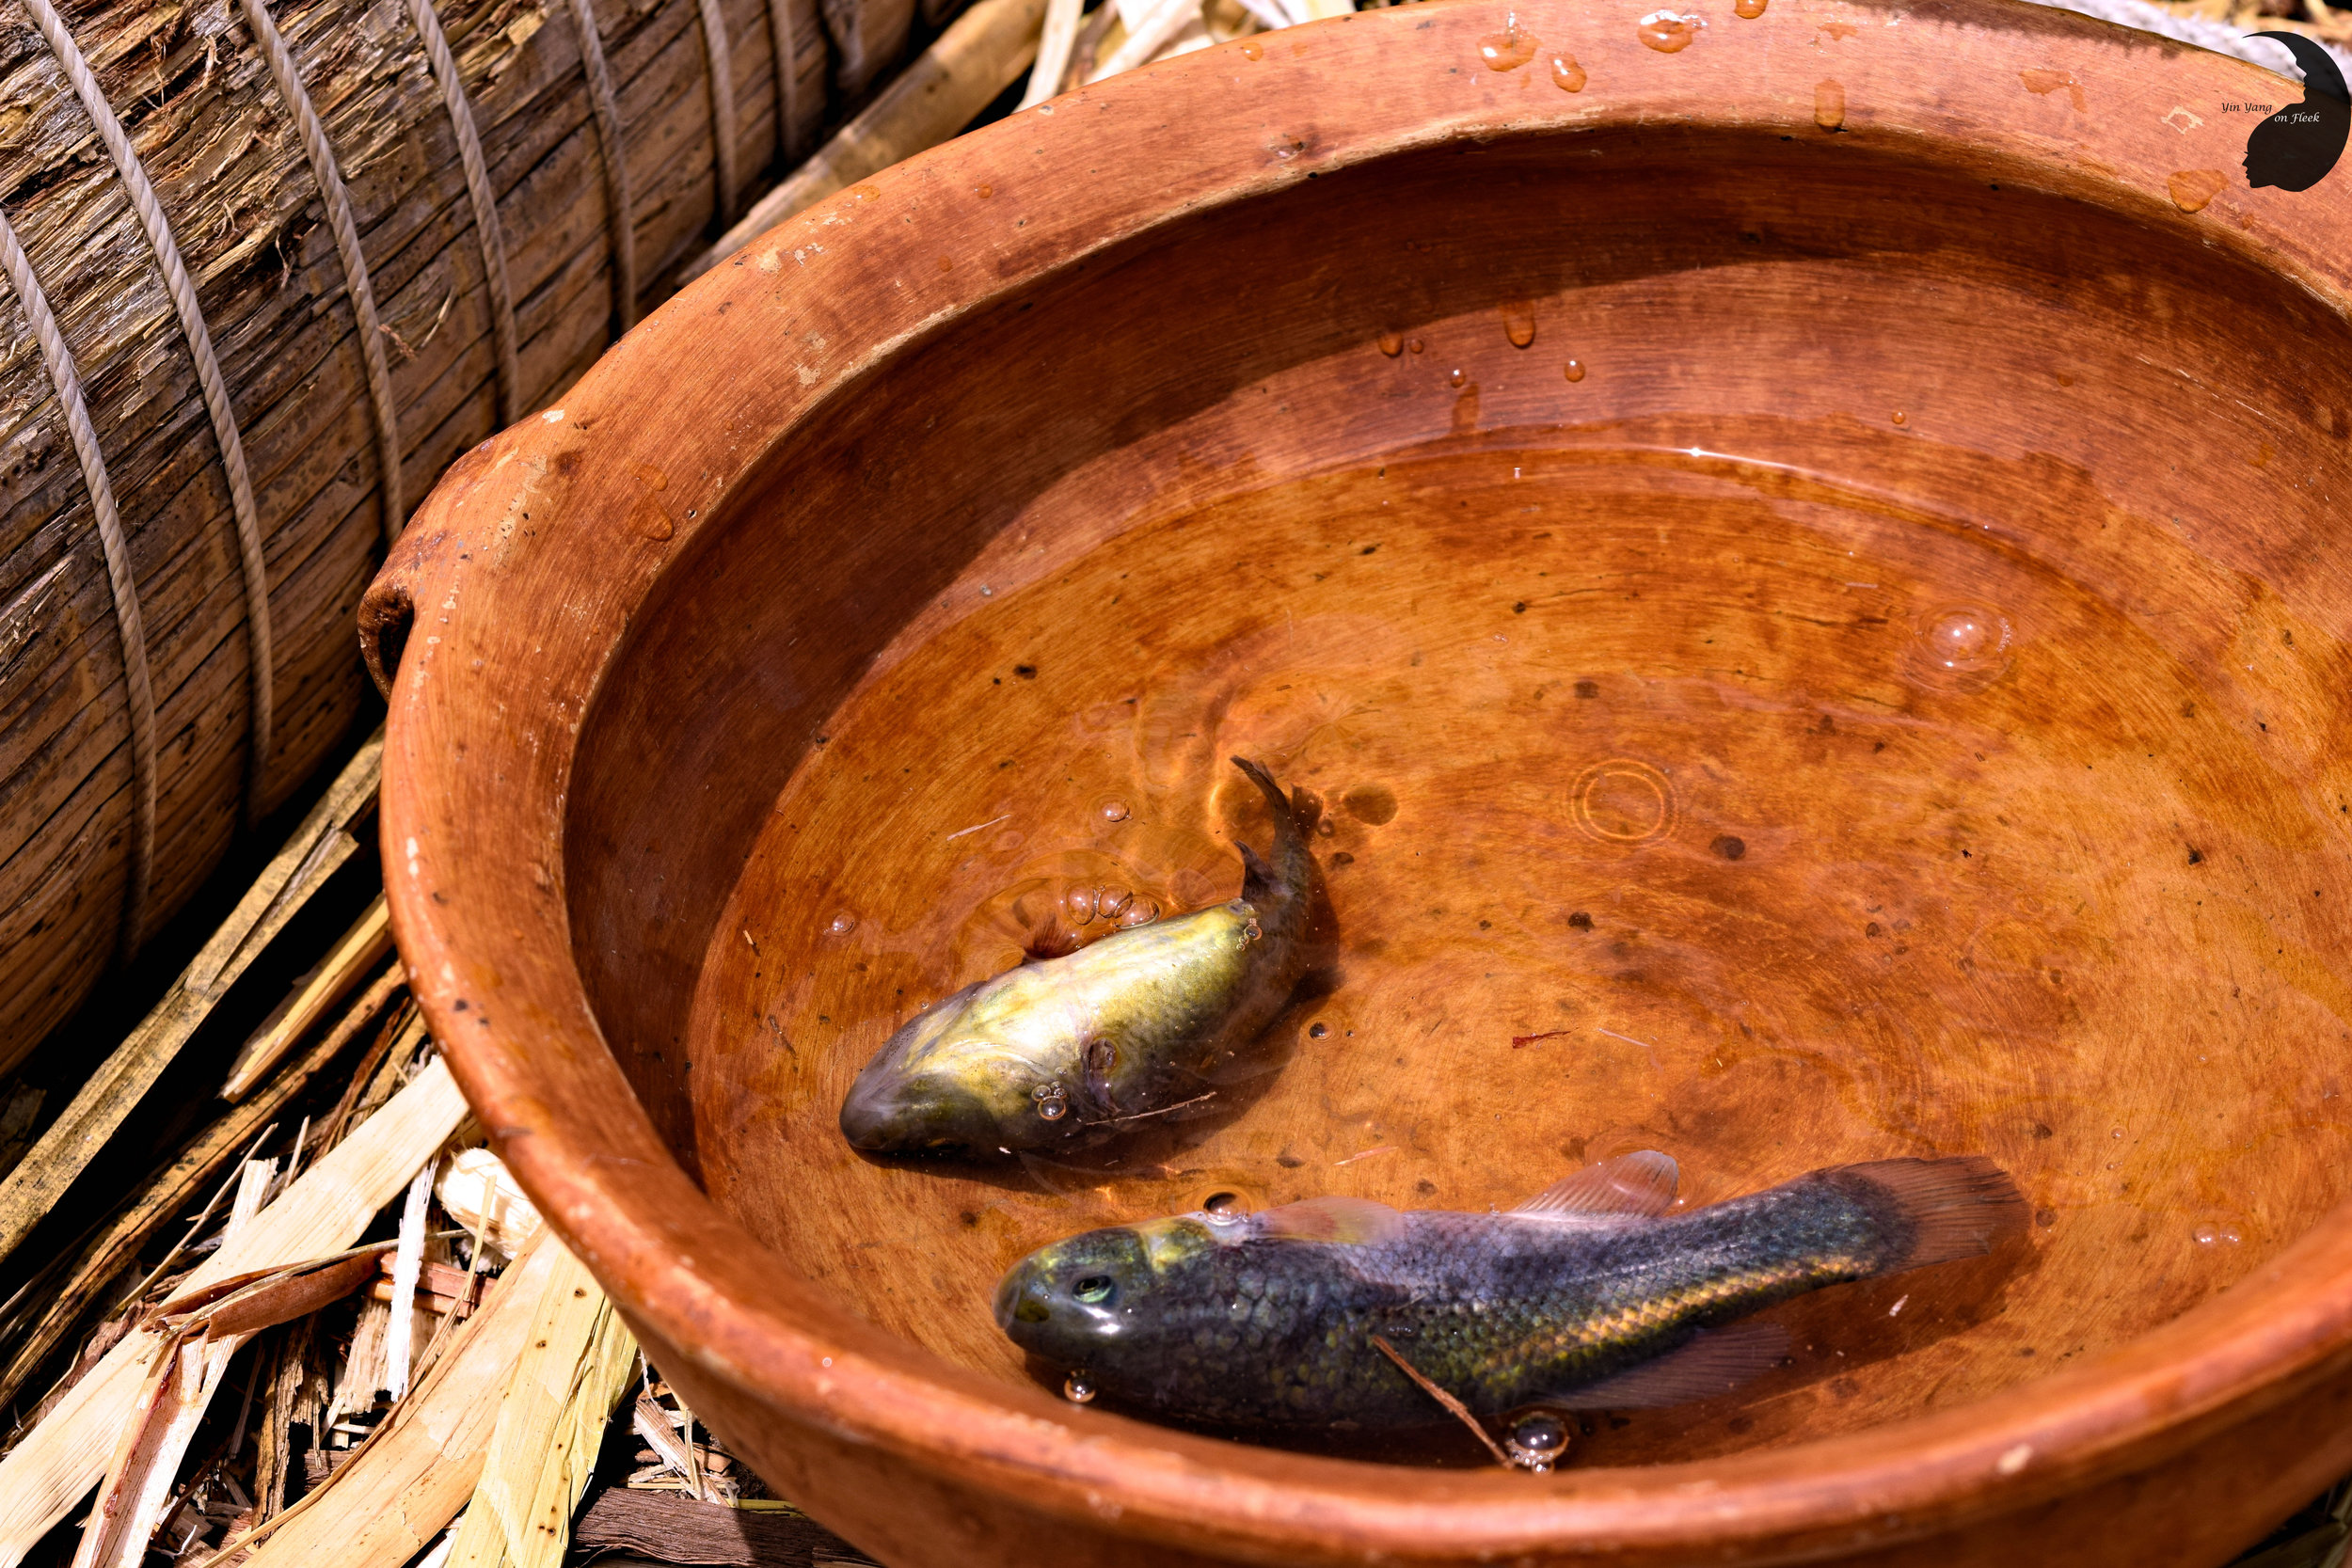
[[1619, 801]]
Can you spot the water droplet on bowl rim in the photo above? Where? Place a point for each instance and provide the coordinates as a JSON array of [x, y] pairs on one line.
[[1669, 32], [1392, 343], [1573, 369], [1829, 104], [1509, 49], [1566, 74]]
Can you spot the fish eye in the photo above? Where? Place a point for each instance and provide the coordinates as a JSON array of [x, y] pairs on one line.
[[1095, 1289]]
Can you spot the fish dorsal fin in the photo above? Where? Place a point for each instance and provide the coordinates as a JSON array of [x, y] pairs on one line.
[[1642, 1183], [1357, 1221], [1714, 1363]]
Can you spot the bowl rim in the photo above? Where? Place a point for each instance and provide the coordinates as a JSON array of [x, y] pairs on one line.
[[1938, 77]]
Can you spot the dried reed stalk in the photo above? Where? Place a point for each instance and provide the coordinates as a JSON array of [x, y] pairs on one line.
[[579, 1360], [360, 950], [323, 1211], [321, 845], [104, 1254], [186, 1372], [386, 1502]]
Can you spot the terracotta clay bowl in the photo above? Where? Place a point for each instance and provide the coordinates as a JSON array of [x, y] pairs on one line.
[[1800, 555]]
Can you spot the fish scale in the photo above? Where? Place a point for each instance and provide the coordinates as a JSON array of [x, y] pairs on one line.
[[1268, 1319]]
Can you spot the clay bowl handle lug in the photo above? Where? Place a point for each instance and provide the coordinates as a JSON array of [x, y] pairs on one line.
[[419, 563]]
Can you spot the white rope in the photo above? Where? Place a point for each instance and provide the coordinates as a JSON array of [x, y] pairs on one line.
[[622, 213], [721, 107], [134, 677], [339, 218], [224, 418], [486, 206], [787, 81]]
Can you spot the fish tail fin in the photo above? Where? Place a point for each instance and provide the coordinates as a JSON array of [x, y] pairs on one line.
[[1935, 1211], [1295, 819]]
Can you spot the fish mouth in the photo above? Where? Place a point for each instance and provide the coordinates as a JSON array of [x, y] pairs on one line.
[[1017, 1306], [883, 1114]]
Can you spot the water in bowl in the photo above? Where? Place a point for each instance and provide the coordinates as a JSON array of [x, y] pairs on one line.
[[1671, 800]]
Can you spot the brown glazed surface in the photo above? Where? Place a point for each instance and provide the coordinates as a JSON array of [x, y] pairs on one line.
[[1888, 697]]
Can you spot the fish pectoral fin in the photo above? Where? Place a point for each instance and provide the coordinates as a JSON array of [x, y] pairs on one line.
[[1346, 1220], [1714, 1363], [1640, 1183]]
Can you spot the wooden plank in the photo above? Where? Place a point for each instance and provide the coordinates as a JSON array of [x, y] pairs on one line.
[[658, 1527]]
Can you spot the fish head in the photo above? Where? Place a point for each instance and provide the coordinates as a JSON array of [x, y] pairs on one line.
[[942, 1087], [1077, 1299]]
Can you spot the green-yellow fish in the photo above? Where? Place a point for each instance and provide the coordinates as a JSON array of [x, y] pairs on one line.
[[1074, 1050]]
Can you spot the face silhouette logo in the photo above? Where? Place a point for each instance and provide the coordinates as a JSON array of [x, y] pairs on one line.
[[2294, 149]]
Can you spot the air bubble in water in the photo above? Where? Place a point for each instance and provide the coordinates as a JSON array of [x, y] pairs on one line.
[[1077, 1388], [1114, 811], [1141, 911], [1962, 647], [2206, 1235], [843, 924], [1537, 1441], [1052, 1099]]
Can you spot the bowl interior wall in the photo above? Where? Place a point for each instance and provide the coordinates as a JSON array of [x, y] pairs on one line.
[[2077, 906]]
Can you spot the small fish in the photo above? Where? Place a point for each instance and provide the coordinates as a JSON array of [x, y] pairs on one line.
[[1589, 1296], [1068, 1052]]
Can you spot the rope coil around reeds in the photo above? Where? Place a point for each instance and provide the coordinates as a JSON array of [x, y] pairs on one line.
[[623, 218], [485, 202], [224, 420], [338, 217], [721, 107], [787, 81], [141, 691]]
